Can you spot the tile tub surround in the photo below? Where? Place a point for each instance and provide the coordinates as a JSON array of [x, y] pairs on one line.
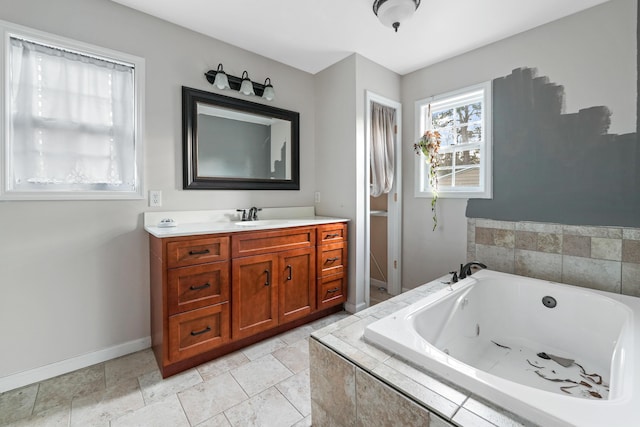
[[354, 383], [603, 258]]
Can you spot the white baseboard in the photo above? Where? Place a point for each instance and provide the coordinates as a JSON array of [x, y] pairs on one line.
[[354, 308], [35, 375]]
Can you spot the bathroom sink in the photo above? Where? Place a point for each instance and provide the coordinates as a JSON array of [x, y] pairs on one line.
[[261, 222]]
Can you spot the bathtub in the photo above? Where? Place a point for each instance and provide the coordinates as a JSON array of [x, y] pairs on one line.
[[503, 338]]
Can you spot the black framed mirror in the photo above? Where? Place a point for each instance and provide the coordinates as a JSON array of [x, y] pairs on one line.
[[234, 144]]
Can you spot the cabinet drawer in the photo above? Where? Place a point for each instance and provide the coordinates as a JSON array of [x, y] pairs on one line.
[[332, 259], [263, 242], [332, 233], [197, 331], [197, 286], [197, 251], [332, 290]]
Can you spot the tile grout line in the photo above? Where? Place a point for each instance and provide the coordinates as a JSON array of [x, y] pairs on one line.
[[33, 408], [182, 406], [275, 386], [459, 407]]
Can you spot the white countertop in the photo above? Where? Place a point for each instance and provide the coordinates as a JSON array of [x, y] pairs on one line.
[[191, 223]]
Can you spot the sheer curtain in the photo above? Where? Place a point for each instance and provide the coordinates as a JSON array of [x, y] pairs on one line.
[[72, 120], [382, 148]]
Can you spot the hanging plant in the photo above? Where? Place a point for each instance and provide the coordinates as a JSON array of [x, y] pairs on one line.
[[429, 145]]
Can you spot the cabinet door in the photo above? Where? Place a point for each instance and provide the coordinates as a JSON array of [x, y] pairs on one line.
[[297, 284], [254, 295]]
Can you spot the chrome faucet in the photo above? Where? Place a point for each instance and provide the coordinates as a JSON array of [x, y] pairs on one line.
[[465, 270]]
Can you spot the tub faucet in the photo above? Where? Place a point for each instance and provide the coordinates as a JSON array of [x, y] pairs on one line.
[[465, 270]]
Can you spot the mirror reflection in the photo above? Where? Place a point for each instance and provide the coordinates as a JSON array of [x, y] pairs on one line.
[[233, 144]]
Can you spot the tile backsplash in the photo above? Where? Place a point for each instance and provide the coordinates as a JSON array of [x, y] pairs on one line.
[[604, 258]]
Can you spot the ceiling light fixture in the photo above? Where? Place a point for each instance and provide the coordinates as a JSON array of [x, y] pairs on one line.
[[394, 12], [223, 81]]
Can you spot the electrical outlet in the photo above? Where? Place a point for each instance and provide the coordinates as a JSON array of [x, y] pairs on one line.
[[317, 197], [155, 198]]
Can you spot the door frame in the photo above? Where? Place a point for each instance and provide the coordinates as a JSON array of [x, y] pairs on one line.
[[394, 202]]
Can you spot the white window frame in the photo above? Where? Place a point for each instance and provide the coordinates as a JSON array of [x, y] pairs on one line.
[[9, 30], [484, 191]]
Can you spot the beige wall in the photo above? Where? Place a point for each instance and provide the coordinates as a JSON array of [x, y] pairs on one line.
[[592, 54], [74, 274], [340, 151]]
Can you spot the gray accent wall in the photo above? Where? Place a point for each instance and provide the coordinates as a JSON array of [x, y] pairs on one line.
[[555, 167]]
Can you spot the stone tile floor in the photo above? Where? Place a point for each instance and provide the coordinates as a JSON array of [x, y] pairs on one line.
[[266, 384]]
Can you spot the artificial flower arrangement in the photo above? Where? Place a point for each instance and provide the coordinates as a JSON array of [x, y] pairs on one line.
[[429, 145]]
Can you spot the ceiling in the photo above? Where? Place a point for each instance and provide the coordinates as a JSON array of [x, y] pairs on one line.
[[311, 35]]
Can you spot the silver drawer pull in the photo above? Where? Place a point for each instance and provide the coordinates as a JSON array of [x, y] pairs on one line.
[[331, 236], [334, 259], [333, 291]]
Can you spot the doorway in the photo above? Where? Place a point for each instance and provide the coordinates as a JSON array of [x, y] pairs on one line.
[[383, 228]]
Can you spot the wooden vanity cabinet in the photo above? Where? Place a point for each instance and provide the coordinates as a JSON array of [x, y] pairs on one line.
[[190, 291], [275, 286], [214, 294], [332, 264]]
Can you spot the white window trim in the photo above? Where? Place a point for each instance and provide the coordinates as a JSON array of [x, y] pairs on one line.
[[8, 30], [486, 176]]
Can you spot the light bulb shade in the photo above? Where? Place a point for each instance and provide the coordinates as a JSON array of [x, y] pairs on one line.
[[246, 87], [392, 13], [268, 93], [221, 81]]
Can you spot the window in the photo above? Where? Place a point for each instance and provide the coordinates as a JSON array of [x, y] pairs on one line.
[[463, 119], [72, 124]]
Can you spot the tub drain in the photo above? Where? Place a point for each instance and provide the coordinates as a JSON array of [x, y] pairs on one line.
[[549, 302]]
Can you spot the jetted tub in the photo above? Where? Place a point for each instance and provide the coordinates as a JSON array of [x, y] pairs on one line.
[[503, 337]]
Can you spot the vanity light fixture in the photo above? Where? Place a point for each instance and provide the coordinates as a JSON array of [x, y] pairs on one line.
[[246, 87], [243, 84], [268, 93], [394, 12], [221, 81]]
